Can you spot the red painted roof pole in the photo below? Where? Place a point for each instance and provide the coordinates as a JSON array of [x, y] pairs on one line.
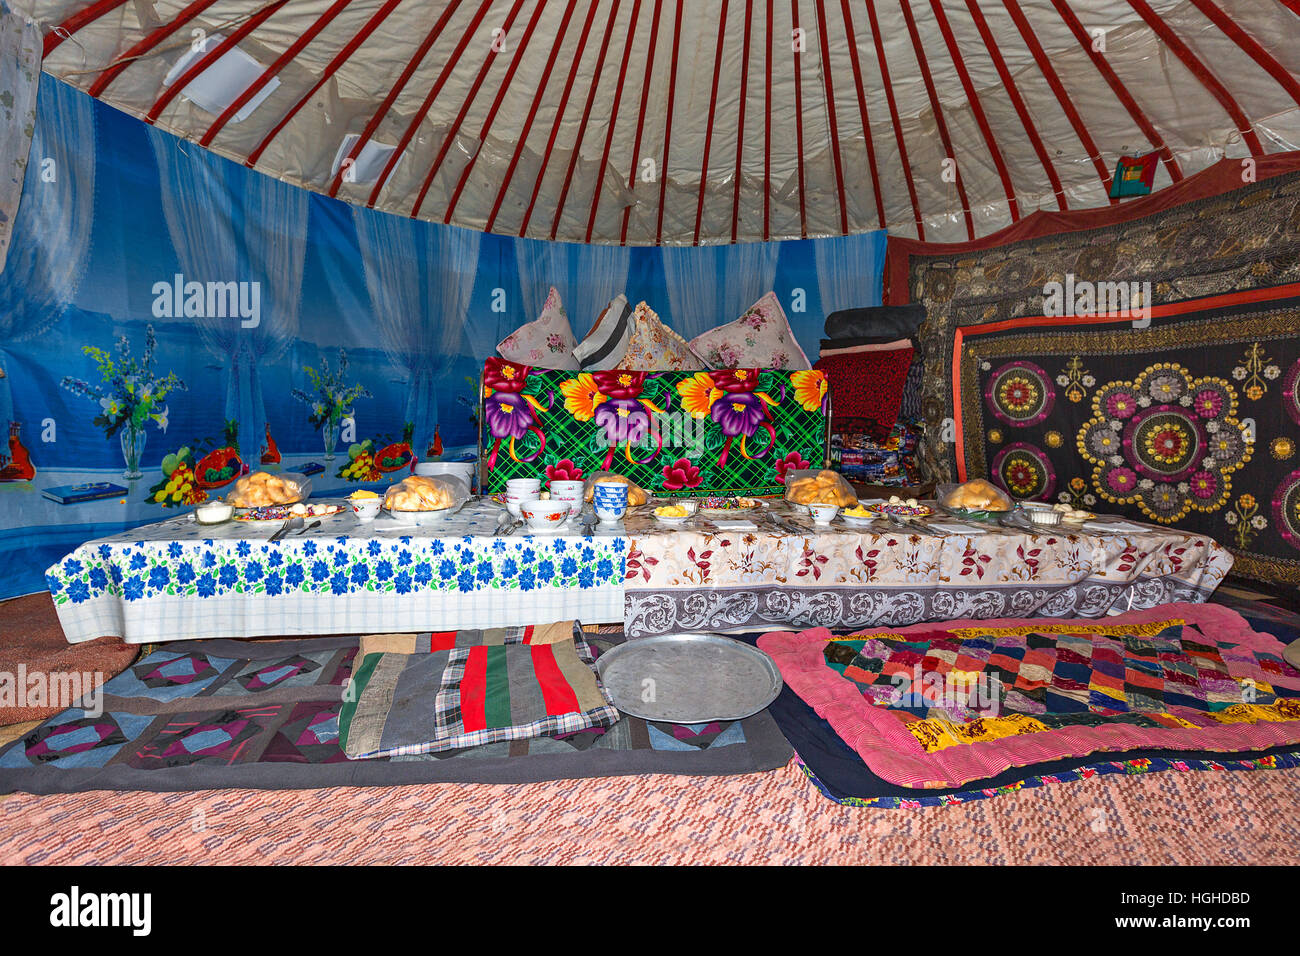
[[613, 120], [1119, 89], [866, 121], [390, 97], [972, 96], [798, 122], [596, 75], [75, 22], [708, 128], [1062, 97], [452, 61], [496, 105], [1202, 73], [640, 123], [893, 115], [1249, 44], [137, 50], [740, 123], [212, 56], [559, 118], [522, 138], [280, 62], [1009, 83], [668, 123], [828, 86], [935, 106], [464, 109], [330, 68]]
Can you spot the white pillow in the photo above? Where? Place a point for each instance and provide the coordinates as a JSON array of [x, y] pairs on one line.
[[545, 342], [761, 338]]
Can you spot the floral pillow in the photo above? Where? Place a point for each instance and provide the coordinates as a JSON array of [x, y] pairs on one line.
[[653, 347], [546, 342], [761, 338]]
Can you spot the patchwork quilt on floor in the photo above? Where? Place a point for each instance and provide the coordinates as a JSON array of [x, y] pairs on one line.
[[265, 715], [939, 705], [468, 688]]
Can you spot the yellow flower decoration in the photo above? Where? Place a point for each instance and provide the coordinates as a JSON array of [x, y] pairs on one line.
[[810, 387], [581, 396], [699, 393], [1054, 440], [1283, 448]]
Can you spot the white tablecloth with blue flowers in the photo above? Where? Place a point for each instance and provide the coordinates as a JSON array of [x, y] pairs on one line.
[[178, 580]]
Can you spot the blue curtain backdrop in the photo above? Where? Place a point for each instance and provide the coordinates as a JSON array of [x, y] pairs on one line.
[[121, 211]]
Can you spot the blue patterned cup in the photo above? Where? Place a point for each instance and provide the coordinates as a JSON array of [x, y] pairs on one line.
[[610, 502]]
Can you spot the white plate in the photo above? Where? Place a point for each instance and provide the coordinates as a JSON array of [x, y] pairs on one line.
[[673, 522], [853, 521]]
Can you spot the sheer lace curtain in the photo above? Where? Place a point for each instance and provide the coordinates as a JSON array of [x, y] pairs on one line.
[[587, 277], [255, 232], [419, 278], [709, 286], [849, 270], [52, 228]]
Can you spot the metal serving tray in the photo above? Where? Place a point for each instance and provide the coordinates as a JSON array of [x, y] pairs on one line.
[[689, 678]]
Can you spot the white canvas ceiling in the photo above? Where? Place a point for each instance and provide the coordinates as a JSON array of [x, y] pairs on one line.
[[674, 122]]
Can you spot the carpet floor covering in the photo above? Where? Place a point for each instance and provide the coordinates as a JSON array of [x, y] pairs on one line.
[[776, 817]]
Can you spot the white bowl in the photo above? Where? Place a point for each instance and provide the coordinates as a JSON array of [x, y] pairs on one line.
[[544, 515], [823, 514], [213, 512], [366, 509]]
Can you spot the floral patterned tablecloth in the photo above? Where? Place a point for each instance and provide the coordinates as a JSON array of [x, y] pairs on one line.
[[701, 578], [178, 580]]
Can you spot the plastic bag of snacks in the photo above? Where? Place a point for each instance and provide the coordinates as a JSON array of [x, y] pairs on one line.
[[426, 493], [262, 489], [975, 495], [823, 487], [636, 495]]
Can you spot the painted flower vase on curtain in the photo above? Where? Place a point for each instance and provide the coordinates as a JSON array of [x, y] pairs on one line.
[[330, 399], [130, 396]]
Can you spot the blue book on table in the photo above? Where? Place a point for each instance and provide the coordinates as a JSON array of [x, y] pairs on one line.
[[90, 491]]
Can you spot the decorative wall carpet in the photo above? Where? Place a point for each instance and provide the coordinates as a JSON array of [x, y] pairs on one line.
[[265, 715], [1192, 421], [1206, 235], [685, 433], [941, 705]]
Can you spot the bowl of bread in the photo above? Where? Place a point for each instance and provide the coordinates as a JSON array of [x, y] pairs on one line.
[[823, 487], [262, 489], [977, 500], [420, 499]]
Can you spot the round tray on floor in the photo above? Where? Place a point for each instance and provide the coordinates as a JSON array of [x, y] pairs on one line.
[[689, 678]]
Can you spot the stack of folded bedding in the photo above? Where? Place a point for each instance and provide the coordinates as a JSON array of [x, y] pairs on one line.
[[434, 692]]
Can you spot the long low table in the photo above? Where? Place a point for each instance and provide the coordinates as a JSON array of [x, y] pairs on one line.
[[750, 575], [177, 580]]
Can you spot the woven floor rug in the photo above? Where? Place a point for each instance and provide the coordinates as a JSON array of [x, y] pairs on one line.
[[218, 714], [955, 706]]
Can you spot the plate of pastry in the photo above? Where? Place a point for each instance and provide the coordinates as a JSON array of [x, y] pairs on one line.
[[729, 506], [420, 500], [900, 508], [278, 514]]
